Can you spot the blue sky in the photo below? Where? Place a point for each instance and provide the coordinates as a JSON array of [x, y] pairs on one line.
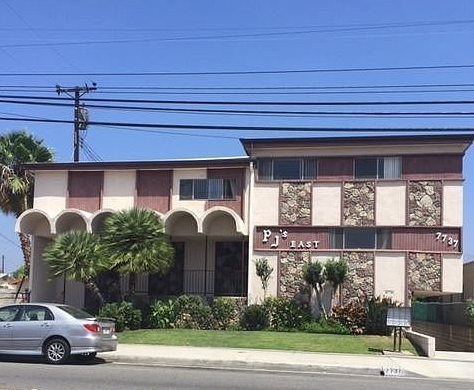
[[201, 36]]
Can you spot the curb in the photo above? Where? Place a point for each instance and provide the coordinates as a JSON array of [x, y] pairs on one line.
[[243, 365]]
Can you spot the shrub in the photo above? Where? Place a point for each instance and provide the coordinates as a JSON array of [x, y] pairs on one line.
[[224, 312], [376, 315], [284, 314], [263, 270], [192, 313], [162, 315], [125, 315], [470, 311], [254, 317], [351, 315], [330, 326]]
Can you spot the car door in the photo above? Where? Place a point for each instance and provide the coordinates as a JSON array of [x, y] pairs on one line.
[[34, 323], [8, 315]]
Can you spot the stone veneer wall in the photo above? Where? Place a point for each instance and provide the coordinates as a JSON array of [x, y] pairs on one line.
[[295, 203], [424, 271], [424, 199], [360, 279], [359, 203], [291, 284]]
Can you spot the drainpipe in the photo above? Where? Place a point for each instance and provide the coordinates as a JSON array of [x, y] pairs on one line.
[[250, 228]]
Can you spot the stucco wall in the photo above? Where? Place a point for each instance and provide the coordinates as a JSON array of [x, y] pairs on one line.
[[265, 203], [326, 204], [390, 203], [452, 273], [390, 275], [119, 190], [198, 206], [452, 203], [50, 192], [256, 291], [43, 289]]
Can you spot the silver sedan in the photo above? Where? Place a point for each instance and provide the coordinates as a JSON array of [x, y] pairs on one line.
[[54, 331]]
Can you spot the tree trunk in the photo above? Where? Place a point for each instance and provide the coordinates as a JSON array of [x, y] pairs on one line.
[[26, 249], [92, 287], [319, 298]]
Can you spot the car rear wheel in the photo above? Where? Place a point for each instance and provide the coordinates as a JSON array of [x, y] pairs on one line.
[[86, 357], [56, 351]]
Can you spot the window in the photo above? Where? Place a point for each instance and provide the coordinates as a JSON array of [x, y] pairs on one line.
[[75, 312], [204, 189], [360, 238], [9, 313], [287, 169], [377, 168], [36, 313]]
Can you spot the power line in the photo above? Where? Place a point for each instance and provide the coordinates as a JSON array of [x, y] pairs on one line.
[[224, 37], [250, 103], [253, 87], [244, 112], [168, 132], [227, 28], [244, 72], [247, 128], [9, 240]]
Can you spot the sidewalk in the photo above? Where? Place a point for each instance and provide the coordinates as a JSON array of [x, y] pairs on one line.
[[452, 365]]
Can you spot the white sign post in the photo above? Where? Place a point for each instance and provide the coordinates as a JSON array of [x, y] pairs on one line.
[[398, 317]]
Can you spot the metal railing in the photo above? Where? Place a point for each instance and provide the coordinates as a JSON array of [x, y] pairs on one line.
[[440, 313], [198, 282]]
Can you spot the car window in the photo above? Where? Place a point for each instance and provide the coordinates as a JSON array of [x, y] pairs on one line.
[[75, 312], [36, 313], [9, 313]]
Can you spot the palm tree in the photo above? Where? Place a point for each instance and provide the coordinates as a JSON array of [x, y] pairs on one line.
[[336, 273], [16, 184], [79, 256], [136, 243], [313, 275]]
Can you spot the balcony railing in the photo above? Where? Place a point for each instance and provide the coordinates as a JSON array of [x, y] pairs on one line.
[[197, 282]]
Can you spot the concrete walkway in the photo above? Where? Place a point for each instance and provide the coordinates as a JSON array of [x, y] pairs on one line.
[[449, 365]]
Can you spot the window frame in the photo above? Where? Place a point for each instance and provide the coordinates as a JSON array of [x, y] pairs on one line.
[[303, 165], [342, 231], [379, 168], [231, 183]]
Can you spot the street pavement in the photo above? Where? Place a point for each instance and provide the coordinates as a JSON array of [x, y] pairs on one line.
[[26, 374], [446, 365]]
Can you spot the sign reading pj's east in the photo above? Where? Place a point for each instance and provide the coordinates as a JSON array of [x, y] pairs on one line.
[[290, 238]]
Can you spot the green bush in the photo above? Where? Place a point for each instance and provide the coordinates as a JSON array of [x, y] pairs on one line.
[[125, 315], [330, 326], [470, 311], [284, 314], [255, 317], [376, 309], [192, 313], [224, 312], [162, 315]]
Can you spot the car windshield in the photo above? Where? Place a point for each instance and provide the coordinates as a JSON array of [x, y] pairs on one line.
[[75, 312]]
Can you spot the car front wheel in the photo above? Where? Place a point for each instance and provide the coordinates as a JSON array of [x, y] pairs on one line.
[[56, 351]]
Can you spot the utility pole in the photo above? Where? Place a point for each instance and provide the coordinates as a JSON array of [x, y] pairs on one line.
[[3, 264], [80, 114]]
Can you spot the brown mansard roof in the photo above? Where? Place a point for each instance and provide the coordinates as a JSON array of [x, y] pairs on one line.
[[248, 144]]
